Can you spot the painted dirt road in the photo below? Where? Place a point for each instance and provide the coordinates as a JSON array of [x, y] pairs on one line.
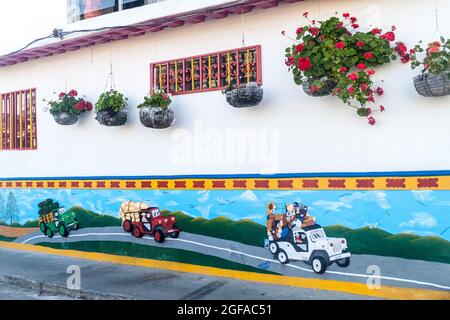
[[412, 274]]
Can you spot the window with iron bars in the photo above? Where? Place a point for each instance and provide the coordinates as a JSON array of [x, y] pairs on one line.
[[209, 72], [18, 120]]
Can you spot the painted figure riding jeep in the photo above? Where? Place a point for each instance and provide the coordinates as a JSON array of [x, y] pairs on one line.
[[54, 219], [141, 219], [291, 238]]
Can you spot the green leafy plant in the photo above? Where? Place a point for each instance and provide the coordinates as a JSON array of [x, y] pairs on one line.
[[48, 206], [335, 50], [69, 102], [436, 58], [158, 99], [112, 101]]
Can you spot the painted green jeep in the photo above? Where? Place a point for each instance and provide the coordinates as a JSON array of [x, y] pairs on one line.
[[58, 221]]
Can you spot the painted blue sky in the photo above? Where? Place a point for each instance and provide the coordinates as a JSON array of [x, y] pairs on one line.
[[419, 212]]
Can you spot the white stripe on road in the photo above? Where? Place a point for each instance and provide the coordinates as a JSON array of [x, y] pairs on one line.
[[258, 258]]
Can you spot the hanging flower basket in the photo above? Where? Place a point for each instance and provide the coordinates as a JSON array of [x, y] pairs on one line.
[[65, 118], [110, 109], [433, 84], [155, 113], [156, 117], [318, 87], [68, 108], [435, 78], [245, 96], [111, 118]]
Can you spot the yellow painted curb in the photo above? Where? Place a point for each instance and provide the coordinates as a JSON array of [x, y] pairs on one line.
[[386, 292]]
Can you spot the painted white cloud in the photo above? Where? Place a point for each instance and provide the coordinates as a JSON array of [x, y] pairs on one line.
[[423, 195], [421, 220], [171, 203], [248, 196], [204, 196], [334, 206], [204, 210]]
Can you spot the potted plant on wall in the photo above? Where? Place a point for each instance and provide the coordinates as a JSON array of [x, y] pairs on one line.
[[110, 109], [333, 57], [155, 111], [68, 108], [434, 81], [245, 95]]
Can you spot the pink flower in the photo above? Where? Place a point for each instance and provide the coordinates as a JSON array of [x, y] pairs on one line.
[[314, 31], [353, 76], [361, 66], [364, 86], [360, 44], [372, 121], [371, 72], [340, 45], [343, 70], [433, 49], [368, 55]]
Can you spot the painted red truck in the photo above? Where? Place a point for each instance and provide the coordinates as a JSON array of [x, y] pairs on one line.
[[150, 221]]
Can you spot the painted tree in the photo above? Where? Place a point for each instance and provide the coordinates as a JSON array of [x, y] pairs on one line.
[[11, 209], [3, 215]]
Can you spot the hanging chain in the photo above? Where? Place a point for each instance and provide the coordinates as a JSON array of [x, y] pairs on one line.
[[65, 72], [243, 30], [437, 32], [110, 78]]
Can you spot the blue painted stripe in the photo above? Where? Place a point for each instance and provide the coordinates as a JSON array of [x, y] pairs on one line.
[[248, 176]]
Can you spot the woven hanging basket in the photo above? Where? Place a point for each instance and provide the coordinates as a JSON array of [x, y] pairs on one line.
[[156, 117], [433, 84], [247, 96], [111, 118], [325, 90], [65, 118]]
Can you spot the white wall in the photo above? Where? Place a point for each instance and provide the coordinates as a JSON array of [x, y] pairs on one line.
[[315, 134]]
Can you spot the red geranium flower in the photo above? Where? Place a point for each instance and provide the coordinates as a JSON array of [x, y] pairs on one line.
[[390, 36], [371, 72], [300, 47], [62, 95], [353, 76], [340, 45], [405, 58], [89, 106], [299, 30], [73, 93], [346, 15], [372, 121], [305, 14], [382, 108], [353, 19], [304, 64], [400, 48], [364, 86], [355, 26], [343, 69], [360, 44], [376, 31], [314, 31], [368, 55], [379, 91], [290, 61], [361, 66], [351, 90]]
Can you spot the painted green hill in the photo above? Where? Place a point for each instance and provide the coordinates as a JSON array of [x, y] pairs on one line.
[[89, 219]]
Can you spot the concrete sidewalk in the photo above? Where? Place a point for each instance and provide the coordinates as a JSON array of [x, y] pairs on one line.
[[47, 274]]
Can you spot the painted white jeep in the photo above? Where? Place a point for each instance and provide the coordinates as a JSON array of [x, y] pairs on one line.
[[312, 246]]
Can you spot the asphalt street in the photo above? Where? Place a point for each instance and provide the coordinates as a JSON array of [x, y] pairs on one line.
[[393, 271], [140, 283]]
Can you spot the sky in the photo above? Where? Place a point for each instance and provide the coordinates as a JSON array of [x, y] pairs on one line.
[[418, 212]]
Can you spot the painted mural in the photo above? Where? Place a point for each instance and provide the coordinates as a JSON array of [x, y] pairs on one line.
[[328, 234]]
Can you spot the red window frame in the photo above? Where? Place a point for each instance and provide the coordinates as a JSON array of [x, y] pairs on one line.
[[208, 72], [18, 126]]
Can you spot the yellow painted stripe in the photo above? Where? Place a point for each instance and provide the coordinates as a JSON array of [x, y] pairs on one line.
[[386, 292]]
